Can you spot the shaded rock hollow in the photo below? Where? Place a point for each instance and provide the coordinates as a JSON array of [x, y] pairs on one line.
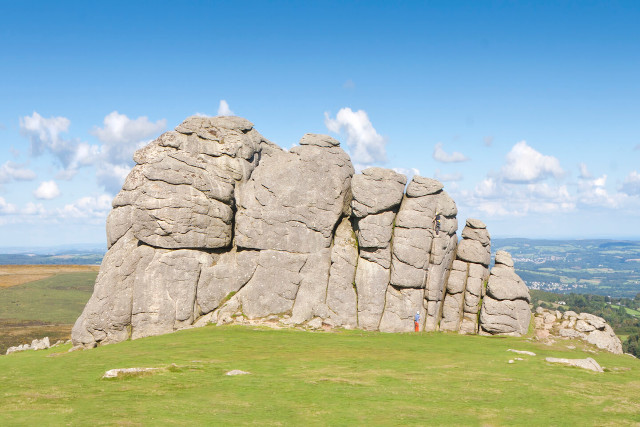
[[217, 224]]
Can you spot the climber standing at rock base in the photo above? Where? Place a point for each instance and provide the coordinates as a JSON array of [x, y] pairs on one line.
[[416, 321], [436, 221]]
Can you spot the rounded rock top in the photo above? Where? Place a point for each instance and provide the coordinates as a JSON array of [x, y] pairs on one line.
[[504, 258], [475, 223], [319, 140], [421, 186], [195, 123]]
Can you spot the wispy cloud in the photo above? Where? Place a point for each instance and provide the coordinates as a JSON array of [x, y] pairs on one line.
[[364, 142], [223, 109], [442, 156], [11, 171], [631, 184]]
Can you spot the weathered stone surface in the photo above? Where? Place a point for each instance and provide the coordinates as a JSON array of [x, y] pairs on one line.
[[376, 190], [452, 312], [475, 224], [422, 186], [312, 294], [107, 316], [293, 200], [479, 234], [583, 326], [504, 317], [473, 251], [230, 272], [374, 231], [504, 258], [505, 284], [164, 296], [400, 308], [342, 300], [271, 290], [588, 363], [372, 280]]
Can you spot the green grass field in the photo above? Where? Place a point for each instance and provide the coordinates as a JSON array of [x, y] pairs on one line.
[[306, 378]]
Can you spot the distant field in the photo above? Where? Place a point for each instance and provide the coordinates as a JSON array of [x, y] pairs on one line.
[[45, 307], [12, 275], [306, 379]]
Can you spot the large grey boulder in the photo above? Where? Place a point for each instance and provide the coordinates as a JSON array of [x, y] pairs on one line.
[[505, 308], [376, 190], [293, 200], [180, 194]]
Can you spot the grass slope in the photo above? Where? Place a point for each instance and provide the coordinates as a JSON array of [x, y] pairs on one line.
[[304, 378]]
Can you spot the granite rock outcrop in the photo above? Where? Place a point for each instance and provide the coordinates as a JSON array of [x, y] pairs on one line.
[[217, 224]]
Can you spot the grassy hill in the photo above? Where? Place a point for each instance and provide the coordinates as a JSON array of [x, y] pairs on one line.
[[306, 378]]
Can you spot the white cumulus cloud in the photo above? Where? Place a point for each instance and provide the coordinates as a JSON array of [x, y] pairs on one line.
[[409, 173], [223, 109], [525, 164], [47, 190], [10, 171], [442, 156], [364, 142]]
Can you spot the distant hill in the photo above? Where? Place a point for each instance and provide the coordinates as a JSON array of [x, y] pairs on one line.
[[63, 254], [594, 266]]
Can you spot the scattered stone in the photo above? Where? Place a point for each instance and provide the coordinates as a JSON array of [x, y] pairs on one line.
[[115, 373], [587, 363], [570, 325], [237, 372], [528, 353]]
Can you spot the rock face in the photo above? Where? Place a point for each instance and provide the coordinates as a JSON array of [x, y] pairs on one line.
[[217, 224], [553, 325], [505, 308]]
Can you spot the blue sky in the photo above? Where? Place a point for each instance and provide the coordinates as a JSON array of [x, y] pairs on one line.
[[529, 112]]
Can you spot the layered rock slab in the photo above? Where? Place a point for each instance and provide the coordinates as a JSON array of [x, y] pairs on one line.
[[377, 193], [505, 308]]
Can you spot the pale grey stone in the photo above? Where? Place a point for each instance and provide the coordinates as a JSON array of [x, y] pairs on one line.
[[376, 190], [115, 373], [230, 272], [451, 312], [443, 252], [273, 287], [475, 224], [582, 326], [473, 251], [421, 186], [119, 221], [312, 293], [374, 231], [505, 284], [606, 340], [528, 353], [319, 140], [341, 293], [588, 363], [504, 258], [504, 317], [457, 281], [371, 285], [400, 308], [234, 372], [107, 316], [479, 234], [164, 292], [294, 200]]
